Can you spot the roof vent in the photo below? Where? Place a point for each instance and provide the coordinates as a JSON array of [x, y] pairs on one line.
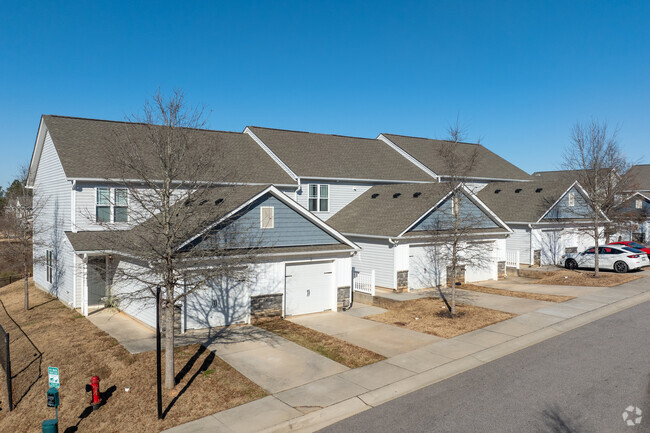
[[496, 191], [397, 194], [375, 195], [218, 201], [538, 190], [203, 202], [518, 190], [417, 194]]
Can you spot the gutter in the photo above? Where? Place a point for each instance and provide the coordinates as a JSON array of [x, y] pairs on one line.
[[352, 180]]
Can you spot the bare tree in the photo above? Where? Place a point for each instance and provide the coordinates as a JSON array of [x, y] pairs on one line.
[[453, 246], [176, 187], [596, 159], [17, 225]]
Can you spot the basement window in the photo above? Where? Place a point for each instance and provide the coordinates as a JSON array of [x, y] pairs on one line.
[[267, 217]]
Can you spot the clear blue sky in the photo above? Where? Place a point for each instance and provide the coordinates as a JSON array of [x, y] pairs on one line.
[[518, 74]]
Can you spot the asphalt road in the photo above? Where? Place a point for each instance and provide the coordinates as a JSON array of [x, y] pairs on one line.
[[580, 381]]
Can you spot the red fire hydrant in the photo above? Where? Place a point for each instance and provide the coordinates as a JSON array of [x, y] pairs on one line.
[[96, 399]]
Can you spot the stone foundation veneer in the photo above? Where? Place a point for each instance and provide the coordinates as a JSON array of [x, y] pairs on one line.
[[266, 306], [342, 297], [402, 281], [501, 270]]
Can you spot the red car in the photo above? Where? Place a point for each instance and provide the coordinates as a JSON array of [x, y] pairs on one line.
[[634, 245]]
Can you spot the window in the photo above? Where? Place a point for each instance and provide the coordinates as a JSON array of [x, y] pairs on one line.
[[115, 210], [120, 213], [103, 212], [48, 265], [267, 217], [319, 196], [572, 199], [639, 204]]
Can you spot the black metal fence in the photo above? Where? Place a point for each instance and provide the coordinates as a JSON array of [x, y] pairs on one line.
[[5, 363], [5, 281]]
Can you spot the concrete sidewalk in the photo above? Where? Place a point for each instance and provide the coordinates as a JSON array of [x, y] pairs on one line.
[[316, 404]]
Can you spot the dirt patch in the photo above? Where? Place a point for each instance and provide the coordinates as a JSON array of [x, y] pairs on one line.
[[337, 350], [515, 294], [430, 315], [63, 338], [586, 278]]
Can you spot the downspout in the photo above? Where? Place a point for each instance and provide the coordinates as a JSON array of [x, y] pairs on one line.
[[73, 211], [351, 285], [295, 194]]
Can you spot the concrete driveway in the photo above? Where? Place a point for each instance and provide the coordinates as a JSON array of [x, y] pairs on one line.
[[381, 338]]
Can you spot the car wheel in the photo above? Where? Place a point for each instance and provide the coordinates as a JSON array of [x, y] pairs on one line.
[[571, 264], [621, 267]]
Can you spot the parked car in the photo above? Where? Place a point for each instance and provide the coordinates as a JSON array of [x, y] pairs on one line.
[[635, 245], [619, 258]]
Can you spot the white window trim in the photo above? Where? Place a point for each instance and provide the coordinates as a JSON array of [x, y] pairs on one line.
[[263, 224], [639, 203], [572, 199], [318, 197], [111, 205]]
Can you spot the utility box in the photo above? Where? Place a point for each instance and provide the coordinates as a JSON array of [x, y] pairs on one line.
[[52, 397], [51, 426]]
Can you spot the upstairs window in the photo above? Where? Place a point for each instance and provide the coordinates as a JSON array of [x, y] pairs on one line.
[[103, 210], [572, 199], [267, 217], [319, 197], [639, 203], [112, 207], [120, 213]]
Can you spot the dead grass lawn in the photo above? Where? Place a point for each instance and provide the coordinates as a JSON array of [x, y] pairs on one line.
[[337, 350], [430, 315], [515, 294], [68, 341], [586, 278]]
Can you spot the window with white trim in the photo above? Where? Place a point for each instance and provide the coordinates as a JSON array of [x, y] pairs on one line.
[[49, 265], [639, 203], [572, 199], [111, 205], [267, 217], [319, 198]]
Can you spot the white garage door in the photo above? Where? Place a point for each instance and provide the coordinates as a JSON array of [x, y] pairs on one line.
[[308, 288]]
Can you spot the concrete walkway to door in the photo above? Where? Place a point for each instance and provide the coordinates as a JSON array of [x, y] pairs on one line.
[[381, 338]]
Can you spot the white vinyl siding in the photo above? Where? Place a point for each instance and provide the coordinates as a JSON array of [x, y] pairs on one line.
[[340, 195], [53, 192], [377, 255]]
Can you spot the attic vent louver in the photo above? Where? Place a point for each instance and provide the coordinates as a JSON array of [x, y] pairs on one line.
[[496, 191], [417, 194], [397, 194], [375, 195], [518, 190], [538, 190], [218, 201]]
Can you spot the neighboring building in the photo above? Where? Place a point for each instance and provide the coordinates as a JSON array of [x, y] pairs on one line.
[[333, 170], [548, 218], [640, 178], [428, 154], [395, 225]]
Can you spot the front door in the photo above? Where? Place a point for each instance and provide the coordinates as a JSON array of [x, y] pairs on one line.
[[96, 281]]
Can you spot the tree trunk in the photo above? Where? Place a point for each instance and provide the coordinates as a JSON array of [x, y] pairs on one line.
[[170, 375], [596, 271]]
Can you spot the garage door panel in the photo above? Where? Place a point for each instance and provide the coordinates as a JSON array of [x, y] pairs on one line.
[[308, 288]]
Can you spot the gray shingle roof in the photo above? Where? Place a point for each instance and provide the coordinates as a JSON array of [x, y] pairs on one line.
[[335, 156], [385, 214], [82, 144], [640, 177], [519, 202], [428, 152]]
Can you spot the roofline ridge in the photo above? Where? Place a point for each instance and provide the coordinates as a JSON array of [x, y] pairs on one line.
[[429, 138], [309, 132]]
